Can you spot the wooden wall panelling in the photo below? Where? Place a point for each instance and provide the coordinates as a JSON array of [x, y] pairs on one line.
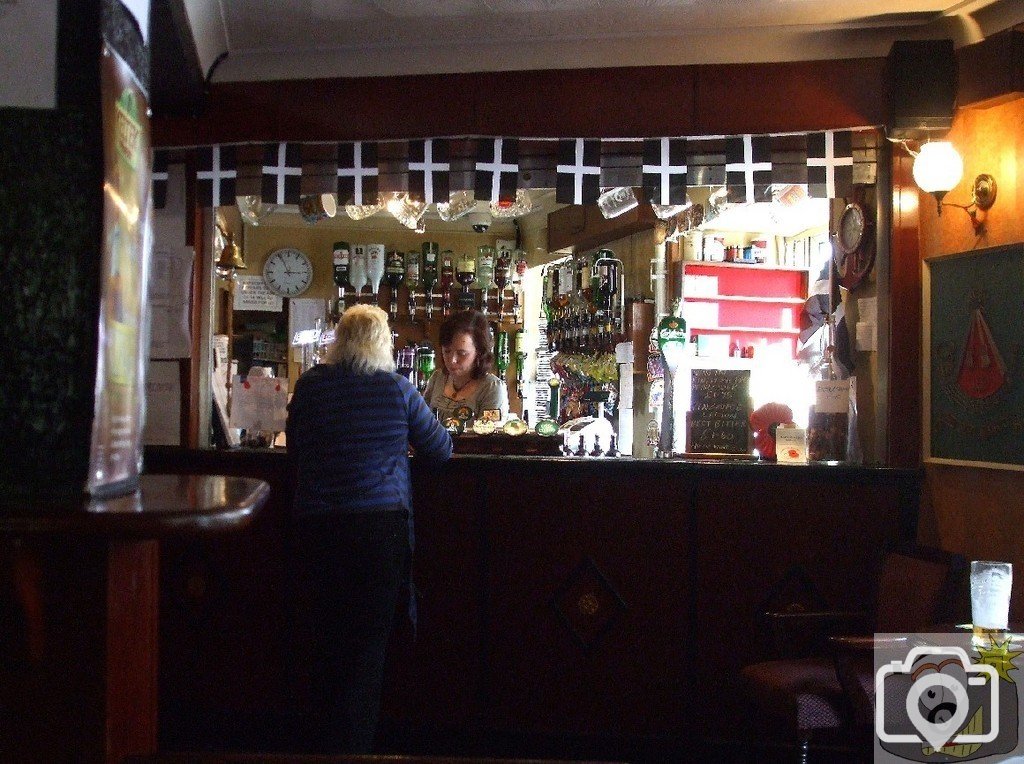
[[777, 525], [790, 96], [589, 616], [616, 102], [904, 405], [991, 71], [434, 678], [583, 227]]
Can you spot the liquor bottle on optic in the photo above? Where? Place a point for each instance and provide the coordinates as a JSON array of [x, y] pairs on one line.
[[424, 365], [502, 357], [484, 273], [465, 274], [429, 274], [394, 275], [502, 275], [357, 274], [413, 268], [375, 259], [517, 285], [447, 280], [341, 255]]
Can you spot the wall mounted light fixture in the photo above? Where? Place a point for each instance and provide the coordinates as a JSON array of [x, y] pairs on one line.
[[939, 168]]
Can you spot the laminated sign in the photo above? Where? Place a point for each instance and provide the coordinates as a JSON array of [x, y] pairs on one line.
[[259, 403]]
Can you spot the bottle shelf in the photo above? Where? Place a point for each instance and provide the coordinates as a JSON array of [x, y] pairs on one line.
[[747, 266], [745, 329], [744, 298]]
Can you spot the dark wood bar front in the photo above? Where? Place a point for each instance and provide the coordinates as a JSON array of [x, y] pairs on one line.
[[556, 596]]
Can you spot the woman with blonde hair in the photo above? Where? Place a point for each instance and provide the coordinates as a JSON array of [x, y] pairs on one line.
[[351, 422]]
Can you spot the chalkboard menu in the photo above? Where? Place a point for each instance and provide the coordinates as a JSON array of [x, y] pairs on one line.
[[718, 421]]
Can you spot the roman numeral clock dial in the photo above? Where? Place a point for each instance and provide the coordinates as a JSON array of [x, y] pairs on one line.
[[287, 272]]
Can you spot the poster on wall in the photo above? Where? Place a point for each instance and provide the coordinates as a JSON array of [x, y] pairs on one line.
[[115, 458], [974, 358]]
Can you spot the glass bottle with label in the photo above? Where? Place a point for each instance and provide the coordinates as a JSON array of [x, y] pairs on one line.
[[521, 265], [424, 365], [520, 361], [413, 268], [484, 273], [428, 276], [341, 254], [357, 274], [375, 262], [502, 357], [394, 275], [447, 280], [502, 276], [465, 274]]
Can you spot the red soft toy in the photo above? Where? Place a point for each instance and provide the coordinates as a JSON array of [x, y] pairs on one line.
[[764, 422]]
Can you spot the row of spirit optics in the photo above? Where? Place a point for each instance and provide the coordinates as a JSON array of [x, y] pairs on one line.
[[367, 265], [584, 305]]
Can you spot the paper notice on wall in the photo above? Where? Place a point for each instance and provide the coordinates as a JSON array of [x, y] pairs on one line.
[[170, 286], [251, 293], [303, 315], [163, 404], [867, 310], [259, 403], [867, 336], [832, 396]]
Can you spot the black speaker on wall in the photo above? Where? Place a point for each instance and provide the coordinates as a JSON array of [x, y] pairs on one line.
[[923, 77]]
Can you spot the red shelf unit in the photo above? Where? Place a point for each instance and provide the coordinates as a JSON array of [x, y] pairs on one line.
[[756, 303]]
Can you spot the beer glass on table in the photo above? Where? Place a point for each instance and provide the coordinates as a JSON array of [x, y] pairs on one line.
[[990, 599]]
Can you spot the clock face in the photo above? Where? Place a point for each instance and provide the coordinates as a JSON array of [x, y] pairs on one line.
[[851, 228], [288, 272]]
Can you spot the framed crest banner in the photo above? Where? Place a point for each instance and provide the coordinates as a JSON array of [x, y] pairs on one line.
[[974, 358]]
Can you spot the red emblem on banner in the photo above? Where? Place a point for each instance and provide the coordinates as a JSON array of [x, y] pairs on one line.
[[982, 371]]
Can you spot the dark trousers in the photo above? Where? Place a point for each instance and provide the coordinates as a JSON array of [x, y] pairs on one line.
[[352, 569]]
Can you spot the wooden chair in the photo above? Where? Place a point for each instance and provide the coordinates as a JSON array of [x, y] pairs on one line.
[[802, 696]]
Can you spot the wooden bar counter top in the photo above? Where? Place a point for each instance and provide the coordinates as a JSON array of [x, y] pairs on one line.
[[80, 611]]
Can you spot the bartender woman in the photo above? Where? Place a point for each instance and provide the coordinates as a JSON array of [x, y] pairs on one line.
[[463, 376]]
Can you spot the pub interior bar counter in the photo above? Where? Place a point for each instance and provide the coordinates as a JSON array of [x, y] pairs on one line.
[[744, 222], [624, 579]]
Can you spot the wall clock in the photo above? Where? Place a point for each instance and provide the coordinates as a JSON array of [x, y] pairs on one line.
[[853, 249], [287, 272]]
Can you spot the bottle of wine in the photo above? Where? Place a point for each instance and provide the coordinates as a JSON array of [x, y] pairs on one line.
[[394, 275], [484, 273], [341, 255], [413, 268], [358, 270], [375, 261], [430, 250], [447, 280]]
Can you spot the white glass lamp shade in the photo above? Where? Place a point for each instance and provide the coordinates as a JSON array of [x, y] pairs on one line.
[[938, 167]]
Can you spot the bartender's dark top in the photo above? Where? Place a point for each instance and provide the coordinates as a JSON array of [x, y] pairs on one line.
[[349, 436]]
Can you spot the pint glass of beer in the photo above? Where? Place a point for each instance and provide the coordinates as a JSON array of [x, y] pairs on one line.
[[990, 598]]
